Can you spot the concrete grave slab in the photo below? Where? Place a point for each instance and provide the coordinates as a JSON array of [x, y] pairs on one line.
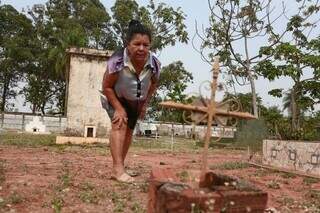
[[80, 140]]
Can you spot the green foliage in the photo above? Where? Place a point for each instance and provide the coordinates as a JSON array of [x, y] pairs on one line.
[[166, 23], [294, 59], [172, 84], [245, 100], [34, 47], [232, 22], [15, 52], [276, 92], [272, 117], [250, 134]]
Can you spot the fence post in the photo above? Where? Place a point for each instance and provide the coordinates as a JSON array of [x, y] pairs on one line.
[[2, 119], [23, 121]]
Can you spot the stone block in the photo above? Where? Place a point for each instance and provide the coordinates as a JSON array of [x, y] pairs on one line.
[[298, 156]]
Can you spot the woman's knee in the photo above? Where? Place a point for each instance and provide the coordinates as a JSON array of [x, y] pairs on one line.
[[116, 127]]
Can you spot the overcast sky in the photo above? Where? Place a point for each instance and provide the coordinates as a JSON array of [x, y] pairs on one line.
[[196, 10]]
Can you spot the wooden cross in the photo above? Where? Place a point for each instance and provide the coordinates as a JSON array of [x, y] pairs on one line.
[[212, 112]]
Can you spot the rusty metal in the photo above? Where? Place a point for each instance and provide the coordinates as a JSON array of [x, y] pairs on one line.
[[209, 111]]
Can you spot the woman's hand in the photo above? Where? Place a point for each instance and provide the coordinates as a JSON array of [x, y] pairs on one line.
[[119, 118]]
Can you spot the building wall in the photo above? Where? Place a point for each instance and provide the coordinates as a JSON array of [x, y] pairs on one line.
[[18, 122], [87, 67], [293, 155]]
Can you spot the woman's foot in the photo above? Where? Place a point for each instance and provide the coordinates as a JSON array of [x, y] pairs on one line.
[[123, 178], [132, 172]]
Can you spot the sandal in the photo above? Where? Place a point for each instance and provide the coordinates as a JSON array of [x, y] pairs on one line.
[[124, 178]]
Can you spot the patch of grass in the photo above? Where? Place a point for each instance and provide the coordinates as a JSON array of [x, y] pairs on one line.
[[313, 194], [287, 175], [183, 176], [27, 140], [309, 181], [2, 171], [231, 165], [289, 202], [57, 203], [273, 184], [119, 204], [144, 187], [261, 172], [313, 200], [88, 193], [3, 203], [136, 208], [65, 178], [15, 198], [164, 143]]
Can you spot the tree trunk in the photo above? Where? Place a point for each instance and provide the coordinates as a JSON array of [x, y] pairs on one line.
[[250, 77], [294, 110], [254, 95], [33, 108], [3, 98]]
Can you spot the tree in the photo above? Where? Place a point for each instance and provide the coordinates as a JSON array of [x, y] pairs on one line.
[[61, 24], [246, 23], [173, 82], [273, 118], [166, 23], [245, 100], [294, 59], [15, 53]]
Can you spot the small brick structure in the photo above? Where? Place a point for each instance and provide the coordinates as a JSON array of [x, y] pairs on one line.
[[217, 193]]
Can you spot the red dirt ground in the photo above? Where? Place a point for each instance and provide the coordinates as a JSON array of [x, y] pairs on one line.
[[77, 179]]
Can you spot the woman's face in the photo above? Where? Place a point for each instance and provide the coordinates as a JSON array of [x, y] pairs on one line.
[[138, 48]]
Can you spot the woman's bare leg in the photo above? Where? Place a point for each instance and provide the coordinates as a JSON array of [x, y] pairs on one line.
[[118, 138], [127, 143]]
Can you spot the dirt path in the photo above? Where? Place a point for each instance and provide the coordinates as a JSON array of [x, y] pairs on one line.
[[77, 179]]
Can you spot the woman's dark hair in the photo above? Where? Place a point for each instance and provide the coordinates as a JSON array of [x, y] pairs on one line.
[[135, 27]]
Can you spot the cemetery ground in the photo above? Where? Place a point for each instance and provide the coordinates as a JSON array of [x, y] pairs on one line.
[[38, 176]]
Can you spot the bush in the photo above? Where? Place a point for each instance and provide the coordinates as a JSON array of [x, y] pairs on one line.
[[251, 134]]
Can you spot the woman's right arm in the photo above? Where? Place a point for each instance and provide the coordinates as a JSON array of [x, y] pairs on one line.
[[120, 115]]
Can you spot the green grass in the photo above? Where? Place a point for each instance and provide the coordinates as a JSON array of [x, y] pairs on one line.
[[231, 165], [88, 193], [57, 203], [15, 198], [118, 202], [309, 181], [27, 140], [165, 144]]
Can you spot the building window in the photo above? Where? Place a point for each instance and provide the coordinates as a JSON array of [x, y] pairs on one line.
[[90, 132]]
